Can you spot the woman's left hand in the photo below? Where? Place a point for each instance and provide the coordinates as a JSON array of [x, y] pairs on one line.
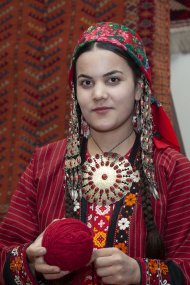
[[115, 267]]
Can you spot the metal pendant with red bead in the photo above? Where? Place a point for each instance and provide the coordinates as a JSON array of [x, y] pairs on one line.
[[107, 178]]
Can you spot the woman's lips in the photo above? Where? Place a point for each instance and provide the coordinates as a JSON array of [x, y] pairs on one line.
[[101, 109]]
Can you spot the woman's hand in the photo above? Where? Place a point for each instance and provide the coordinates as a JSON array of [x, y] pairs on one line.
[[35, 253], [115, 267]]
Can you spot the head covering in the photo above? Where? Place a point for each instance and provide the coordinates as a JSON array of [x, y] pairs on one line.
[[155, 127], [120, 36]]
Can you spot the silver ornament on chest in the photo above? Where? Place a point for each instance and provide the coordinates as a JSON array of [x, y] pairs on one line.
[[107, 178]]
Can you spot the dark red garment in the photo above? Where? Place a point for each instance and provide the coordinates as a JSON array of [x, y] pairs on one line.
[[39, 199]]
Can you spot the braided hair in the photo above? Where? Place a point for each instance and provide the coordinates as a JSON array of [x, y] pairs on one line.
[[154, 242]]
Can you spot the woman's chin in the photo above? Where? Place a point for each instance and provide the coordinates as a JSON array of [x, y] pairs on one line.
[[102, 128]]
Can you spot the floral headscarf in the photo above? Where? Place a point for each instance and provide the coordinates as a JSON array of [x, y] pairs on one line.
[[156, 128], [120, 36]]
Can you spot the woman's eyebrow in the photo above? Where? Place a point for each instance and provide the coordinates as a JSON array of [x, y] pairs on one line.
[[84, 75], [105, 75], [112, 72]]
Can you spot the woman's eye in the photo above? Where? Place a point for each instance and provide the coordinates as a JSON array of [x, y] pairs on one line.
[[85, 83], [113, 80]]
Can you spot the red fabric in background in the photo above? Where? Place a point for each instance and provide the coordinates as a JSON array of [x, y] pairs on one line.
[[165, 129]]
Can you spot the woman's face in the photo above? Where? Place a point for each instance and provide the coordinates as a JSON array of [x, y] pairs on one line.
[[106, 90]]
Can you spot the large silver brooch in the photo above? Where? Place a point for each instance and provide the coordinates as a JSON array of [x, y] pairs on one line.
[[107, 178]]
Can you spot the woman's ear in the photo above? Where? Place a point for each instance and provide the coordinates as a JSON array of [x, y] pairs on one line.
[[139, 90]]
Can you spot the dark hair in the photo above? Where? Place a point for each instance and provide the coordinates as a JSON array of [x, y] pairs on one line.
[[154, 243]]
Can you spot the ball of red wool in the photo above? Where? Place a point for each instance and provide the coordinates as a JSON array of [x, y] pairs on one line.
[[69, 244]]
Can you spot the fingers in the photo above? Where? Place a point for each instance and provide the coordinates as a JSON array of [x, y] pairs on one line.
[[102, 252], [55, 276], [111, 280], [115, 267], [104, 262], [104, 271], [109, 263], [49, 272], [45, 268], [34, 251], [107, 257], [105, 251], [93, 256]]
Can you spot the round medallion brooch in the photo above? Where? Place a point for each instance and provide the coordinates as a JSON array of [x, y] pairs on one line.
[[107, 178]]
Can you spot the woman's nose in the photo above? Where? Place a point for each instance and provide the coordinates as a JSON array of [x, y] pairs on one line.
[[99, 91]]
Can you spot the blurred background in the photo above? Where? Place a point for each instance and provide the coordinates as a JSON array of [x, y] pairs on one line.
[[180, 70], [37, 38]]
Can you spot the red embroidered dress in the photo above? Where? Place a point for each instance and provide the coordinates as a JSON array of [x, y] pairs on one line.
[[39, 199]]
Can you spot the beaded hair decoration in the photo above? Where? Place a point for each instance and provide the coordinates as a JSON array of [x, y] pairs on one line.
[[129, 41]]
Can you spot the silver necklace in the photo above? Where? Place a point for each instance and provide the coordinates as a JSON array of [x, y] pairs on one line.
[[114, 146]]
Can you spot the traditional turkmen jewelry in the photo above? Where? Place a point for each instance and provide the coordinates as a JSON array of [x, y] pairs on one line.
[[107, 178], [72, 157]]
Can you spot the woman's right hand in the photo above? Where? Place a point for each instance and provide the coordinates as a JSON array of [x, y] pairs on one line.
[[35, 253]]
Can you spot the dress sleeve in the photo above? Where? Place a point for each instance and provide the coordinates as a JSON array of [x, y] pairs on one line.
[[16, 268], [173, 178], [155, 271], [18, 229]]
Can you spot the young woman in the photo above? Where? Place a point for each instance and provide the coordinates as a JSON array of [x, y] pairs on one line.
[[119, 171]]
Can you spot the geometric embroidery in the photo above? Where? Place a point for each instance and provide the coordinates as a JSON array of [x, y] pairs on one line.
[[124, 220], [99, 219]]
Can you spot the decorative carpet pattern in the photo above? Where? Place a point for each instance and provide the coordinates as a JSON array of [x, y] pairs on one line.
[[37, 38]]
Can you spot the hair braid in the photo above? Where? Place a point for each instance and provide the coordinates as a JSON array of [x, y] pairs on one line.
[[154, 242]]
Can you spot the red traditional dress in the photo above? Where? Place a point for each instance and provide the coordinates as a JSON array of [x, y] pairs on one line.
[[39, 199]]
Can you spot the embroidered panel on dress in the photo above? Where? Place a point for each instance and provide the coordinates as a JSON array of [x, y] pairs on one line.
[[98, 220], [17, 267], [121, 238], [157, 272]]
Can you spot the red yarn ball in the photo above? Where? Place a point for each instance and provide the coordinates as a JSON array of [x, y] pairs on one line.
[[69, 244]]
